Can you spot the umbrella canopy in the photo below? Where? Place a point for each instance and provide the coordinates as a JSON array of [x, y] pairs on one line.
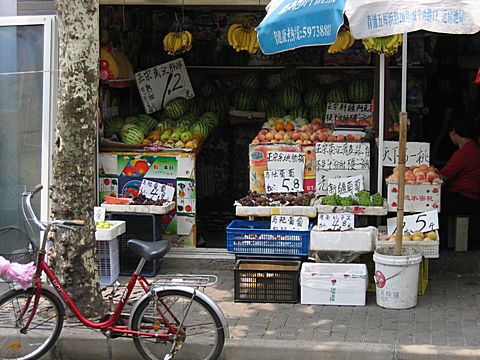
[[376, 18], [290, 24]]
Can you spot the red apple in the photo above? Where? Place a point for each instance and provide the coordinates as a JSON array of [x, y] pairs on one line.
[[349, 137], [430, 176], [314, 138], [340, 138], [323, 137], [261, 137], [331, 138]]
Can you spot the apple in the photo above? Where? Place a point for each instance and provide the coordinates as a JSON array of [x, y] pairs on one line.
[[304, 136], [349, 137], [299, 141], [281, 132], [314, 138], [315, 124], [261, 137], [430, 176], [273, 131], [357, 137], [420, 176], [323, 137], [340, 138], [296, 135], [287, 137], [255, 141], [307, 142], [278, 137], [263, 132], [331, 138], [304, 128], [269, 136]]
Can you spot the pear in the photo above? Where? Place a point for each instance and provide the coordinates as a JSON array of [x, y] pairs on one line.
[[432, 235]]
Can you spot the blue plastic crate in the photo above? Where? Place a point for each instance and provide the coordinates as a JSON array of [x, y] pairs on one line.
[[255, 238]]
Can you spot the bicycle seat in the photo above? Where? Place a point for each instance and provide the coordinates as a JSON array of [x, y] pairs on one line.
[[149, 250]]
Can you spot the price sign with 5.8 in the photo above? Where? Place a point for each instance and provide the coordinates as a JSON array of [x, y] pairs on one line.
[[336, 221], [154, 191], [284, 180], [424, 222], [288, 222]]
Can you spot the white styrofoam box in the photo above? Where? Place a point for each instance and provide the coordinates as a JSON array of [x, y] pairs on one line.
[[118, 228], [108, 257], [308, 211], [333, 284], [418, 197], [147, 209], [358, 239]]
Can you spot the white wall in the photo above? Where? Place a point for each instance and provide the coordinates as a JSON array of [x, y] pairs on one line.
[[8, 8]]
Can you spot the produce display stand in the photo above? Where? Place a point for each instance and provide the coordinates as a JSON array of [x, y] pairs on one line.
[[108, 253]]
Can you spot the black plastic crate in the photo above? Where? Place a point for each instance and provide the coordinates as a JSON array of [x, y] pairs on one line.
[[146, 227], [275, 281]]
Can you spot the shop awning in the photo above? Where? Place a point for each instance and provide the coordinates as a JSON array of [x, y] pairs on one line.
[[376, 18], [290, 24]]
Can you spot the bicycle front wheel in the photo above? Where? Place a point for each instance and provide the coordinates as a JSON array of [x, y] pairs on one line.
[[42, 332], [201, 336]]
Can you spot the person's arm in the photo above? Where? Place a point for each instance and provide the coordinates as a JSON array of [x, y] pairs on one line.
[[454, 166]]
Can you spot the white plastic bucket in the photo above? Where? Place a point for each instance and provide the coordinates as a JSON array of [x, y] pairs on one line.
[[396, 277]]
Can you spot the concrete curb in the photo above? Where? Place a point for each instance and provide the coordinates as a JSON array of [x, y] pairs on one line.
[[80, 344]]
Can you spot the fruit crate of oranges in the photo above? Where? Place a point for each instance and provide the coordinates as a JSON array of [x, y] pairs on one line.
[[427, 243]]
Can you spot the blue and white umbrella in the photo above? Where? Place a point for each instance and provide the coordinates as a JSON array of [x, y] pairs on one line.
[[290, 24]]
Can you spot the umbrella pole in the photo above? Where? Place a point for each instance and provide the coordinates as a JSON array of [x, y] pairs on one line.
[[401, 182], [381, 123]]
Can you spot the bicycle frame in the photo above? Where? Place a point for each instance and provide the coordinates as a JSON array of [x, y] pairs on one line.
[[110, 323]]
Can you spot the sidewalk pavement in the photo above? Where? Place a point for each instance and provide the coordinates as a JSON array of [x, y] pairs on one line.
[[445, 324]]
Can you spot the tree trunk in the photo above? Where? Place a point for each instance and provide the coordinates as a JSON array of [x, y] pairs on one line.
[[74, 153]]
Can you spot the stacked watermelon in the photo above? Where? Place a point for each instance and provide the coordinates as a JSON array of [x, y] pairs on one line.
[[176, 108], [131, 130], [131, 134], [360, 91], [113, 126]]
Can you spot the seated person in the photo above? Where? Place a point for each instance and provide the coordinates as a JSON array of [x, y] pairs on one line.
[[461, 174]]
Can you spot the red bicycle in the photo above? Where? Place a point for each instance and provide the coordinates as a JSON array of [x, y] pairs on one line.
[[173, 319]]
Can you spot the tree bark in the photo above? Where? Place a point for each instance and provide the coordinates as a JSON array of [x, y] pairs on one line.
[[74, 154]]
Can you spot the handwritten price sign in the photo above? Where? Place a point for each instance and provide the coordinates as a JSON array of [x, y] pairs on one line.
[[155, 191], [417, 153], [283, 222], [336, 221], [277, 160], [344, 187], [162, 83], [98, 213], [427, 221], [284, 180]]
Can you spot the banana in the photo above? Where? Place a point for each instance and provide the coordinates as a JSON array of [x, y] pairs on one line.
[[248, 39], [230, 32], [166, 40], [351, 39], [253, 42]]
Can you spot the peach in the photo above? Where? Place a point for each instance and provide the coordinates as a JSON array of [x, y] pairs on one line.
[[269, 136], [263, 132], [296, 135], [331, 138], [261, 137], [305, 128], [313, 138], [357, 137], [304, 136], [299, 142], [323, 137], [430, 176], [340, 138], [307, 142], [278, 137], [255, 141]]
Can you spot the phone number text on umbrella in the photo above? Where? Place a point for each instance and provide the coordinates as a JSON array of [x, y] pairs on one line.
[[292, 34]]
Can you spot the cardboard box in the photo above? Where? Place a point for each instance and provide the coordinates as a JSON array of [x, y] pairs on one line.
[[333, 284], [258, 162], [418, 197]]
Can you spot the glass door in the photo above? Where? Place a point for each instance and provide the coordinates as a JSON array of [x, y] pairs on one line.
[[27, 108]]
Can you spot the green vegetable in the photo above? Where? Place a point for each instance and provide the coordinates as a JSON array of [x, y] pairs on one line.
[[347, 201], [363, 198], [377, 200], [331, 200]]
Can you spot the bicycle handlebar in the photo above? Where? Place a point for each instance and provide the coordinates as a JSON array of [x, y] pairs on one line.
[[36, 189]]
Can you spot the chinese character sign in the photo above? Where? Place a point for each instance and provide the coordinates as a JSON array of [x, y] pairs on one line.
[[284, 180], [289, 222], [342, 155], [277, 160], [162, 83], [342, 111], [344, 187], [336, 221], [155, 191], [417, 153]]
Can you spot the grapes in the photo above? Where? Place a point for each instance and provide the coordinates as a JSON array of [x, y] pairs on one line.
[[142, 200], [275, 199]]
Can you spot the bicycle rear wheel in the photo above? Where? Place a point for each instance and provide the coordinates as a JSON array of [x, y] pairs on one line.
[[200, 337], [42, 332]]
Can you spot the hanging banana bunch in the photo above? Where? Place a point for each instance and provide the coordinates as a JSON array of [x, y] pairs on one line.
[[343, 41], [387, 45], [242, 37], [177, 42]]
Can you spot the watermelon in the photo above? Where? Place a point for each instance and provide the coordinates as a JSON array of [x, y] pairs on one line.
[[147, 119], [200, 128], [131, 134], [217, 105], [289, 98], [359, 91], [336, 94], [142, 125], [209, 88], [165, 124], [314, 96], [276, 111], [244, 100], [210, 119], [250, 81], [264, 102], [196, 106], [130, 119], [318, 111], [294, 82], [176, 108], [299, 112], [113, 125]]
